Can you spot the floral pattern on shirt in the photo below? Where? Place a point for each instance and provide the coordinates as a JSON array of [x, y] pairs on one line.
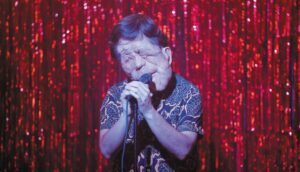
[[179, 105]]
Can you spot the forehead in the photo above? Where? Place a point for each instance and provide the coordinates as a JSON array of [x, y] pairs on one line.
[[140, 43]]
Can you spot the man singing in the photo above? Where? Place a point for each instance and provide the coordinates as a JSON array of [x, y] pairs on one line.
[[169, 108]]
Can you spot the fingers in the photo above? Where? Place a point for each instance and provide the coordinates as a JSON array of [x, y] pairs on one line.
[[138, 90]]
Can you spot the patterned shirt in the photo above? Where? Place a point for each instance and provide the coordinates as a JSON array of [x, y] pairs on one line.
[[179, 104]]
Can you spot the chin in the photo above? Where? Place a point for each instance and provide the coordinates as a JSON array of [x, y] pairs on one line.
[[163, 82], [159, 89], [160, 86]]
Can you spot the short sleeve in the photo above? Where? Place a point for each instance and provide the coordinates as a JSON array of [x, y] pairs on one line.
[[110, 110], [190, 119]]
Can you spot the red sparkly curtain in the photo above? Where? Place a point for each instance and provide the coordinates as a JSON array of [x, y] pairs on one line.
[[55, 69]]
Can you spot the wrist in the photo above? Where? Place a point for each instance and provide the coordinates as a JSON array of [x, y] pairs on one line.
[[149, 113]]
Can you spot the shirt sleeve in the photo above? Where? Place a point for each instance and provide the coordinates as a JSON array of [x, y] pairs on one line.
[[190, 119], [110, 110]]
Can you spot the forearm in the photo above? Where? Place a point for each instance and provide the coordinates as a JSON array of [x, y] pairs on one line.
[[174, 141], [111, 139]]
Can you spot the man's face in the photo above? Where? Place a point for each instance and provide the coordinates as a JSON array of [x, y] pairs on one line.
[[140, 56]]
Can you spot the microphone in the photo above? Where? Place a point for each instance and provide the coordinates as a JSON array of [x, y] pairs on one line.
[[146, 79]]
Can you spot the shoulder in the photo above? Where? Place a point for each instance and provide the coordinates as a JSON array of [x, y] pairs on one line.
[[114, 92], [116, 89], [184, 86]]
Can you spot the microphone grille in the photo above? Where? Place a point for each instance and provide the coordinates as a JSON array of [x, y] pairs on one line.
[[146, 78]]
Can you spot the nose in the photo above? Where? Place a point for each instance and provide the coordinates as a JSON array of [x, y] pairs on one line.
[[139, 62]]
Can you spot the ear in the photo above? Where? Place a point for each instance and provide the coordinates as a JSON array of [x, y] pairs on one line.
[[167, 52]]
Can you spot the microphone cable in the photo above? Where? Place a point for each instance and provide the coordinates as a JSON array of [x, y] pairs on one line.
[[125, 137], [146, 79]]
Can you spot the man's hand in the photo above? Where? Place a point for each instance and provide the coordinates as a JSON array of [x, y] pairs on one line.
[[141, 93]]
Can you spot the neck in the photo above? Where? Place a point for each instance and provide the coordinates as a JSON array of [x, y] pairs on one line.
[[159, 95]]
